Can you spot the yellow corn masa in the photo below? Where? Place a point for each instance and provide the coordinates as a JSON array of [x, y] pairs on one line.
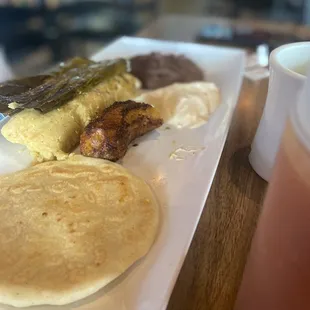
[[54, 135]]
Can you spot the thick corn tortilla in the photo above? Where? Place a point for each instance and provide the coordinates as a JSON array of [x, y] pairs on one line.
[[55, 134], [70, 227]]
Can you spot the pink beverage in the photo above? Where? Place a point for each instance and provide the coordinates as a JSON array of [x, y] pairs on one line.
[[277, 274]]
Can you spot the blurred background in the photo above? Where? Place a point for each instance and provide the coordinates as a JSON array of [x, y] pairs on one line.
[[35, 34]]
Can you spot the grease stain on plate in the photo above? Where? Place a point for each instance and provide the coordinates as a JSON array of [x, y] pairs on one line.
[[183, 153]]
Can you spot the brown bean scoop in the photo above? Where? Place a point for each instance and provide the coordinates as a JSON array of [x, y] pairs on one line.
[[109, 135], [158, 70]]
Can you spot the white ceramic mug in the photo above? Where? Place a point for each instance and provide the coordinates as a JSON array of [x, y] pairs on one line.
[[286, 80]]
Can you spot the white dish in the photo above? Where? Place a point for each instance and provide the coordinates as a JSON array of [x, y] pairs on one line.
[[182, 186]]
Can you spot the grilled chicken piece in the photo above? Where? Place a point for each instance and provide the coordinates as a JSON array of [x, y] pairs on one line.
[[109, 136]]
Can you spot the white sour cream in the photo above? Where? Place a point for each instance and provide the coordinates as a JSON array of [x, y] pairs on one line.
[[184, 104]]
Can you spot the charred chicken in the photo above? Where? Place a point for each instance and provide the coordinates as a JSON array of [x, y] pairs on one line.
[[109, 136]]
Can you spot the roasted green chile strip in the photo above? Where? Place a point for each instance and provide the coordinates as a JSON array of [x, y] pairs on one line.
[[47, 92]]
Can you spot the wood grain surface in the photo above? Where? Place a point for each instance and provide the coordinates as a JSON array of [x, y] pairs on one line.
[[212, 271]]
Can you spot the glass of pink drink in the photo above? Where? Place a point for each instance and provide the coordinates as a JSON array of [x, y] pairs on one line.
[[277, 273]]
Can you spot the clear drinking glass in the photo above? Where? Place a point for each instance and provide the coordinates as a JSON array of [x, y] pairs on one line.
[[277, 273]]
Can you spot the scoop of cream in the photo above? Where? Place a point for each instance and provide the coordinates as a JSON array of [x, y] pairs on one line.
[[184, 104]]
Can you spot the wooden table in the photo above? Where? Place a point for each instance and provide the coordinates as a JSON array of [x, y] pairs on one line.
[[212, 271]]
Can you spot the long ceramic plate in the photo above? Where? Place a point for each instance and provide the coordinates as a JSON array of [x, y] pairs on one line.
[[181, 182]]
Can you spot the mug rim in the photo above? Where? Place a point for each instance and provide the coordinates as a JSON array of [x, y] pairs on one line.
[[275, 63]]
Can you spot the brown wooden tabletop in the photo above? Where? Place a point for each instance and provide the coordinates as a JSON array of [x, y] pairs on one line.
[[211, 274]]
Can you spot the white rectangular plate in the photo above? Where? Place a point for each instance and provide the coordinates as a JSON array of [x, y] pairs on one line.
[[182, 186]]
